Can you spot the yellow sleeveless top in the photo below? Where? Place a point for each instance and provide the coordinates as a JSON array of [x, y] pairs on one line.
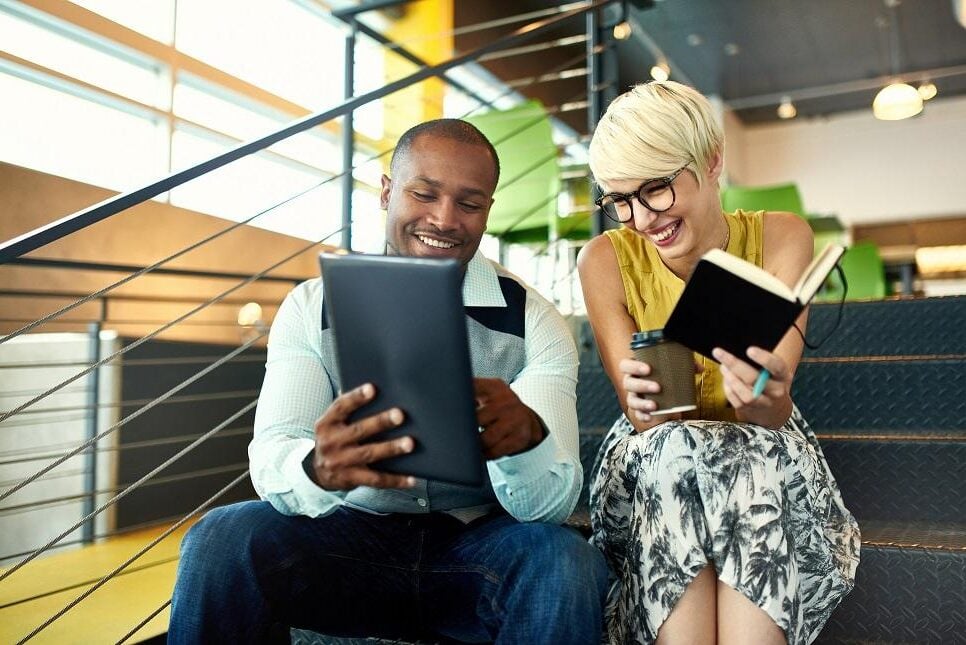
[[652, 290]]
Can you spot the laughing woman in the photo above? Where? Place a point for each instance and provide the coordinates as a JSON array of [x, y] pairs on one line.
[[723, 524]]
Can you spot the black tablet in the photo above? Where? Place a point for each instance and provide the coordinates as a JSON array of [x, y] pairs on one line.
[[399, 324]]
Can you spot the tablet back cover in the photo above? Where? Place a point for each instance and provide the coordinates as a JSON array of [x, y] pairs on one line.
[[399, 323]]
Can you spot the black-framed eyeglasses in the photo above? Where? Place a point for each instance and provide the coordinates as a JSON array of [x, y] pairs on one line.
[[656, 195]]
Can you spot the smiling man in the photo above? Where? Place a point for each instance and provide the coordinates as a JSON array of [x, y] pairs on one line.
[[337, 547]]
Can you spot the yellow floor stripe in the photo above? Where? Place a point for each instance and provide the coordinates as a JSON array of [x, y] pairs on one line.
[[108, 613]]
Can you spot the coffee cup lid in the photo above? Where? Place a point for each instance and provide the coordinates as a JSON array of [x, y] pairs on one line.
[[644, 338]]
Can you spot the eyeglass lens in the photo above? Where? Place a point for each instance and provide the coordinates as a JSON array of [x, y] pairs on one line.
[[657, 196]]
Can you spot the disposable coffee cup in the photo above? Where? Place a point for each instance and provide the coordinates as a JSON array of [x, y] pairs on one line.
[[672, 366]]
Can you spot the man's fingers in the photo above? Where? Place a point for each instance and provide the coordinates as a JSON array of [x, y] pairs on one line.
[[371, 426], [367, 453], [367, 477], [508, 445], [348, 402], [483, 387], [487, 415], [493, 435]]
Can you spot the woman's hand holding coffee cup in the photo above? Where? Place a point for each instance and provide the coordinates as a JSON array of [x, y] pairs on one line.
[[638, 386], [739, 378]]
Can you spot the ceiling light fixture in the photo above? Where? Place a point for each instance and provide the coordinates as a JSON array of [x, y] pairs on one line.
[[661, 70], [786, 110], [897, 100], [927, 90], [622, 30]]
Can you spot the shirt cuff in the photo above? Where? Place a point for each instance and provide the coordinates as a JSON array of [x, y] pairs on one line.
[[524, 466], [314, 499]]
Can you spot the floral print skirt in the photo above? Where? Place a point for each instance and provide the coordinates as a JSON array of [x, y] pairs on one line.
[[759, 505]]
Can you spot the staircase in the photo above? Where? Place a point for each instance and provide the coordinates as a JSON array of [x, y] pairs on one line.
[[886, 395]]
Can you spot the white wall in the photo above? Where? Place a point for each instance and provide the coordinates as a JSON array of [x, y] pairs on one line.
[[29, 365], [857, 167]]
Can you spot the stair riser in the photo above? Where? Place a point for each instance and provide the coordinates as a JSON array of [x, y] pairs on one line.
[[891, 327], [904, 595], [918, 396], [900, 480]]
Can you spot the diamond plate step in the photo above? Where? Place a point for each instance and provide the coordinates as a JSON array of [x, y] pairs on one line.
[[907, 326], [910, 587], [900, 480], [913, 395]]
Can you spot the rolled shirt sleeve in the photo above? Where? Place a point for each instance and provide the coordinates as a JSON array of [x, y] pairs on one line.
[[295, 392], [543, 483]]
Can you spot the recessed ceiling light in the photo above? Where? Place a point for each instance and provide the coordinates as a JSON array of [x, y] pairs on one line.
[[622, 31], [661, 71], [695, 39], [731, 49]]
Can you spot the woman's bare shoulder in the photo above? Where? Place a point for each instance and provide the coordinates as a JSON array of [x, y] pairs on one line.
[[787, 243], [597, 254]]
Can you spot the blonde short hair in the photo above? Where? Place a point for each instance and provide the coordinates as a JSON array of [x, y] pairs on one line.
[[651, 131]]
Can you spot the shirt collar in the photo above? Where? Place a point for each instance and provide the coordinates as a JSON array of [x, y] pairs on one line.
[[481, 285]]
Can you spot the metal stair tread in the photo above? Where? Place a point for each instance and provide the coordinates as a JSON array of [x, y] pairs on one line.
[[892, 434], [933, 536]]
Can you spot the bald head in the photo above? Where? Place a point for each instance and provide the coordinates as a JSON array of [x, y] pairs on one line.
[[455, 129]]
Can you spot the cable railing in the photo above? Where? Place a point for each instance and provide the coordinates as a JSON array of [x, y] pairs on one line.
[[20, 406]]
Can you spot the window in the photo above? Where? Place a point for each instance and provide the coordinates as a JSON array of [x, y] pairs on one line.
[[228, 113], [63, 134], [56, 45], [153, 18], [275, 44], [253, 184]]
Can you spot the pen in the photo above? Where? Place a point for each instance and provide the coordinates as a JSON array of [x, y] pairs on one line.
[[760, 383]]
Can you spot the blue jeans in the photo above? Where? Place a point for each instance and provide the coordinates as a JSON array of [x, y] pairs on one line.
[[247, 573]]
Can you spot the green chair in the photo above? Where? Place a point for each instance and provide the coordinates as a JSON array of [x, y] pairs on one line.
[[864, 272], [784, 197]]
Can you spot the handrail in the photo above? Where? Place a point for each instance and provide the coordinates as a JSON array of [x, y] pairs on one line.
[[76, 221]]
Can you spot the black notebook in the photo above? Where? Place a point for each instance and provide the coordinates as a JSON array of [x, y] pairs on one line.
[[399, 324], [733, 304]]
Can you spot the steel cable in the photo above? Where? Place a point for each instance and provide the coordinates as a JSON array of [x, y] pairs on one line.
[[120, 423], [128, 490], [134, 557]]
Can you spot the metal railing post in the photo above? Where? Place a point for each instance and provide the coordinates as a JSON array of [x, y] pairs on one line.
[[593, 100], [93, 399], [348, 135]]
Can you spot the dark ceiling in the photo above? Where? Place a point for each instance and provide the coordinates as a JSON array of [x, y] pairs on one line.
[[829, 56]]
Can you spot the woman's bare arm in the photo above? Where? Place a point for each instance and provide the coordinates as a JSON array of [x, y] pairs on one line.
[[606, 304]]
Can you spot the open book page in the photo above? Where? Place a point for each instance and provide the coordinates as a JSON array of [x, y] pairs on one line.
[[816, 272], [810, 281], [750, 272]]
